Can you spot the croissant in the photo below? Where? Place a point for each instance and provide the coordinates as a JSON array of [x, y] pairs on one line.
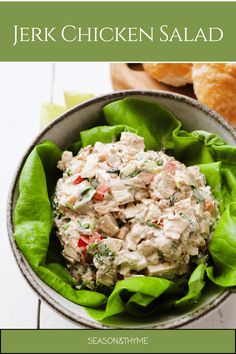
[[175, 74], [215, 85]]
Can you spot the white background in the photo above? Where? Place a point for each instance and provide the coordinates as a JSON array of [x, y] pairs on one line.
[[23, 88]]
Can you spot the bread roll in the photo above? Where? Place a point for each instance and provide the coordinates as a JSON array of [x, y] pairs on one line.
[[175, 74], [215, 85]]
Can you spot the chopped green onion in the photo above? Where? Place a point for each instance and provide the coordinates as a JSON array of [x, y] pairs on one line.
[[70, 206], [198, 195], [186, 217], [86, 226], [152, 224], [135, 173], [173, 198], [91, 247], [159, 162], [85, 190], [78, 221], [104, 251], [65, 226]]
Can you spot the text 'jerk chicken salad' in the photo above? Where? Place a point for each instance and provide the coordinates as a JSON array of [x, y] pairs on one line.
[[121, 211]]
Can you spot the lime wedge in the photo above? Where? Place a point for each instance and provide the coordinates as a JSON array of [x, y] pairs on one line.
[[49, 112], [73, 98]]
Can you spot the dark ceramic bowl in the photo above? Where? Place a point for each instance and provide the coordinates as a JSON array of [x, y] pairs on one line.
[[63, 131]]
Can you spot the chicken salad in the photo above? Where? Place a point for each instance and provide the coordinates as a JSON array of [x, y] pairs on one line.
[[123, 211]]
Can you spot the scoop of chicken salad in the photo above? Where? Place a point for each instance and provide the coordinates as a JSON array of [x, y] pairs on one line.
[[122, 211]]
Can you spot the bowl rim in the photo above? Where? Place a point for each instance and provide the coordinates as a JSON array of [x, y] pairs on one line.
[[26, 270]]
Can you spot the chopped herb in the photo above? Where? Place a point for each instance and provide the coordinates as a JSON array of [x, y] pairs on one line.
[[152, 224], [78, 221], [65, 226], [159, 162], [91, 247], [186, 217], [104, 251], [183, 216], [85, 190], [173, 198], [59, 212], [68, 172], [84, 226], [198, 195], [70, 206], [135, 173]]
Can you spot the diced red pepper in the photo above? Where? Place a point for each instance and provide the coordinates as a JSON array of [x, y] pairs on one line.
[[171, 167], [78, 180], [83, 241], [208, 205], [102, 189], [99, 196]]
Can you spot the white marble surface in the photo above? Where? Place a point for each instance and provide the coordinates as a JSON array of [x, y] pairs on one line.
[[23, 88]]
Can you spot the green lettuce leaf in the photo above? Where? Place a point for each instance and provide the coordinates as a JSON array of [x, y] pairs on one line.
[[223, 249], [151, 120], [33, 213], [104, 134], [213, 174], [143, 289], [75, 147], [195, 285], [185, 146]]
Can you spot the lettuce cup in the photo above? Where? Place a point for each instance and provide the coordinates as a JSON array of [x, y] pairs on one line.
[[122, 212]]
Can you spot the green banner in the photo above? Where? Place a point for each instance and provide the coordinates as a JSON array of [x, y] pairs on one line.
[[118, 341], [117, 31]]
